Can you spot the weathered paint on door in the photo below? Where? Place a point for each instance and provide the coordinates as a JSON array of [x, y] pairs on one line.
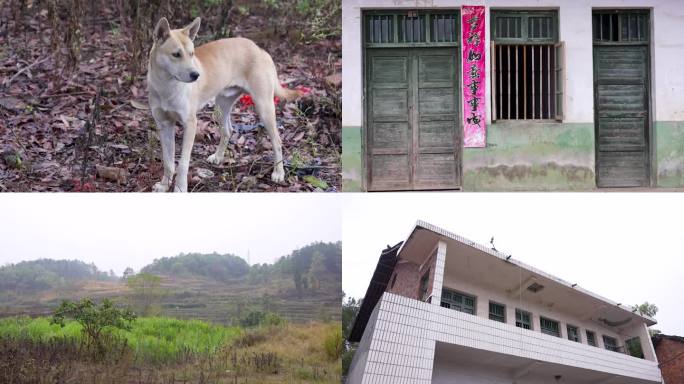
[[413, 115], [621, 102]]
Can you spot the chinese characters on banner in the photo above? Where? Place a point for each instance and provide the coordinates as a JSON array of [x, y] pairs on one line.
[[473, 24]]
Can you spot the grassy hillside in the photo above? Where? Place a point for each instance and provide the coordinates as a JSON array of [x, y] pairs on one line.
[[301, 287], [163, 350]]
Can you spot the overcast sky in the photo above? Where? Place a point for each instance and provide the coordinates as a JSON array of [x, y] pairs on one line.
[[115, 231], [626, 247]]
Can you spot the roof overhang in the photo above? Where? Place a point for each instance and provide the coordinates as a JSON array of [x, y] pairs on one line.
[[424, 235]]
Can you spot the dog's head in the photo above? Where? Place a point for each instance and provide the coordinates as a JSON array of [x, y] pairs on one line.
[[174, 50]]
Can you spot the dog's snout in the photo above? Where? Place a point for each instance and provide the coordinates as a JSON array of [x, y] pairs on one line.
[[194, 75]]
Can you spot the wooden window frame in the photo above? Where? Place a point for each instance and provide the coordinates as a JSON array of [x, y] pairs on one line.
[[621, 12], [524, 17], [395, 13], [459, 306], [578, 334], [558, 70], [546, 331], [494, 316], [522, 312], [591, 340], [613, 348]]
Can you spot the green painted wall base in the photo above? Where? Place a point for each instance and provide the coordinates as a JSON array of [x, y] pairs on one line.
[[669, 144], [532, 156], [352, 160]]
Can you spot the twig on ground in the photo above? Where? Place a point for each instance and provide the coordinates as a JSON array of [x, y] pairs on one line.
[[7, 82]]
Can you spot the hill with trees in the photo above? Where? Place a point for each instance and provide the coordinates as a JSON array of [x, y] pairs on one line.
[[215, 266], [44, 274]]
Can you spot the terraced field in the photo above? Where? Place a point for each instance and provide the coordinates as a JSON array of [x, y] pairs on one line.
[[199, 298]]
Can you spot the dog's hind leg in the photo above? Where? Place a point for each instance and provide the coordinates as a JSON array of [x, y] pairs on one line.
[[189, 131], [226, 104], [266, 111], [167, 137]]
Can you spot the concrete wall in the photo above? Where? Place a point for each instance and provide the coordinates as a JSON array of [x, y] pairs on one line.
[[406, 331], [553, 156]]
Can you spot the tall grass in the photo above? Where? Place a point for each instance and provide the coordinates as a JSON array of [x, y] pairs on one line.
[[153, 339]]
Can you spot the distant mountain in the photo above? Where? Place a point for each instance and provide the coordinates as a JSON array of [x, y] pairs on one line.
[[215, 266], [43, 274]]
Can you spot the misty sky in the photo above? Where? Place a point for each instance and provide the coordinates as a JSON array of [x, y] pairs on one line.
[[115, 231], [625, 247]]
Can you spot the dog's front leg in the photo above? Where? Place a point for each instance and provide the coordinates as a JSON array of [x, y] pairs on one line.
[[167, 137], [190, 128]]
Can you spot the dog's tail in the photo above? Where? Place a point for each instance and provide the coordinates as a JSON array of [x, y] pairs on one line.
[[288, 94]]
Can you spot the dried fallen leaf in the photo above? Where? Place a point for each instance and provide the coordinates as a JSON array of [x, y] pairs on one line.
[[138, 105], [111, 173]]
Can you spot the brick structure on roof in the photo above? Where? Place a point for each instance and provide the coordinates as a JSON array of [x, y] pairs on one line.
[[670, 352]]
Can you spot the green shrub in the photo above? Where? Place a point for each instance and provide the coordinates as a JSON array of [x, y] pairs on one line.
[[334, 343]]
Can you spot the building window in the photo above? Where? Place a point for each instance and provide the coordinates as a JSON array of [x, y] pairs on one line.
[[527, 66], [412, 27], [634, 347], [550, 327], [523, 319], [424, 286], [626, 26], [610, 343], [573, 334], [458, 301], [591, 338], [497, 312]]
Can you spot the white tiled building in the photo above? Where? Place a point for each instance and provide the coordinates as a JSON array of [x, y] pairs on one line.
[[442, 309]]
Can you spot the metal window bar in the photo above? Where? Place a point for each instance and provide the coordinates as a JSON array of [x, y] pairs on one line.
[[509, 70], [549, 327], [497, 312], [591, 338], [523, 319]]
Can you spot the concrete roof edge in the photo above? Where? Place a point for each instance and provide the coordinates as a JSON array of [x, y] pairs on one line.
[[443, 232]]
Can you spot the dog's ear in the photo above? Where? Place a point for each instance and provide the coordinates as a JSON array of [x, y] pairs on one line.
[[192, 28], [162, 30]]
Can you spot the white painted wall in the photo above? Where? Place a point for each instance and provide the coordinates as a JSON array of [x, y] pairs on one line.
[[575, 30], [484, 294]]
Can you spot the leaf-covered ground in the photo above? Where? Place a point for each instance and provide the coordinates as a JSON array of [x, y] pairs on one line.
[[46, 146]]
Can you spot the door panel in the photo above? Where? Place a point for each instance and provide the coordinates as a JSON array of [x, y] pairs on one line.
[[389, 138], [621, 102], [413, 119]]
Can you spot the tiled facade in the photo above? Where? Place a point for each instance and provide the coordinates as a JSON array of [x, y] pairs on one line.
[[400, 342], [400, 347]]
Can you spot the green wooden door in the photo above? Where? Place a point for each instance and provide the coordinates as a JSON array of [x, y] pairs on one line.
[[621, 99], [413, 117]]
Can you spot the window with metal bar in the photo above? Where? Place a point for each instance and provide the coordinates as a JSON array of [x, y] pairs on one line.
[[497, 312], [410, 27], [458, 301], [527, 66], [591, 338], [573, 334], [610, 343], [626, 26], [523, 319], [550, 327]]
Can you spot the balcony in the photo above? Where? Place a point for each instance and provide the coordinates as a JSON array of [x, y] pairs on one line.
[[455, 335]]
